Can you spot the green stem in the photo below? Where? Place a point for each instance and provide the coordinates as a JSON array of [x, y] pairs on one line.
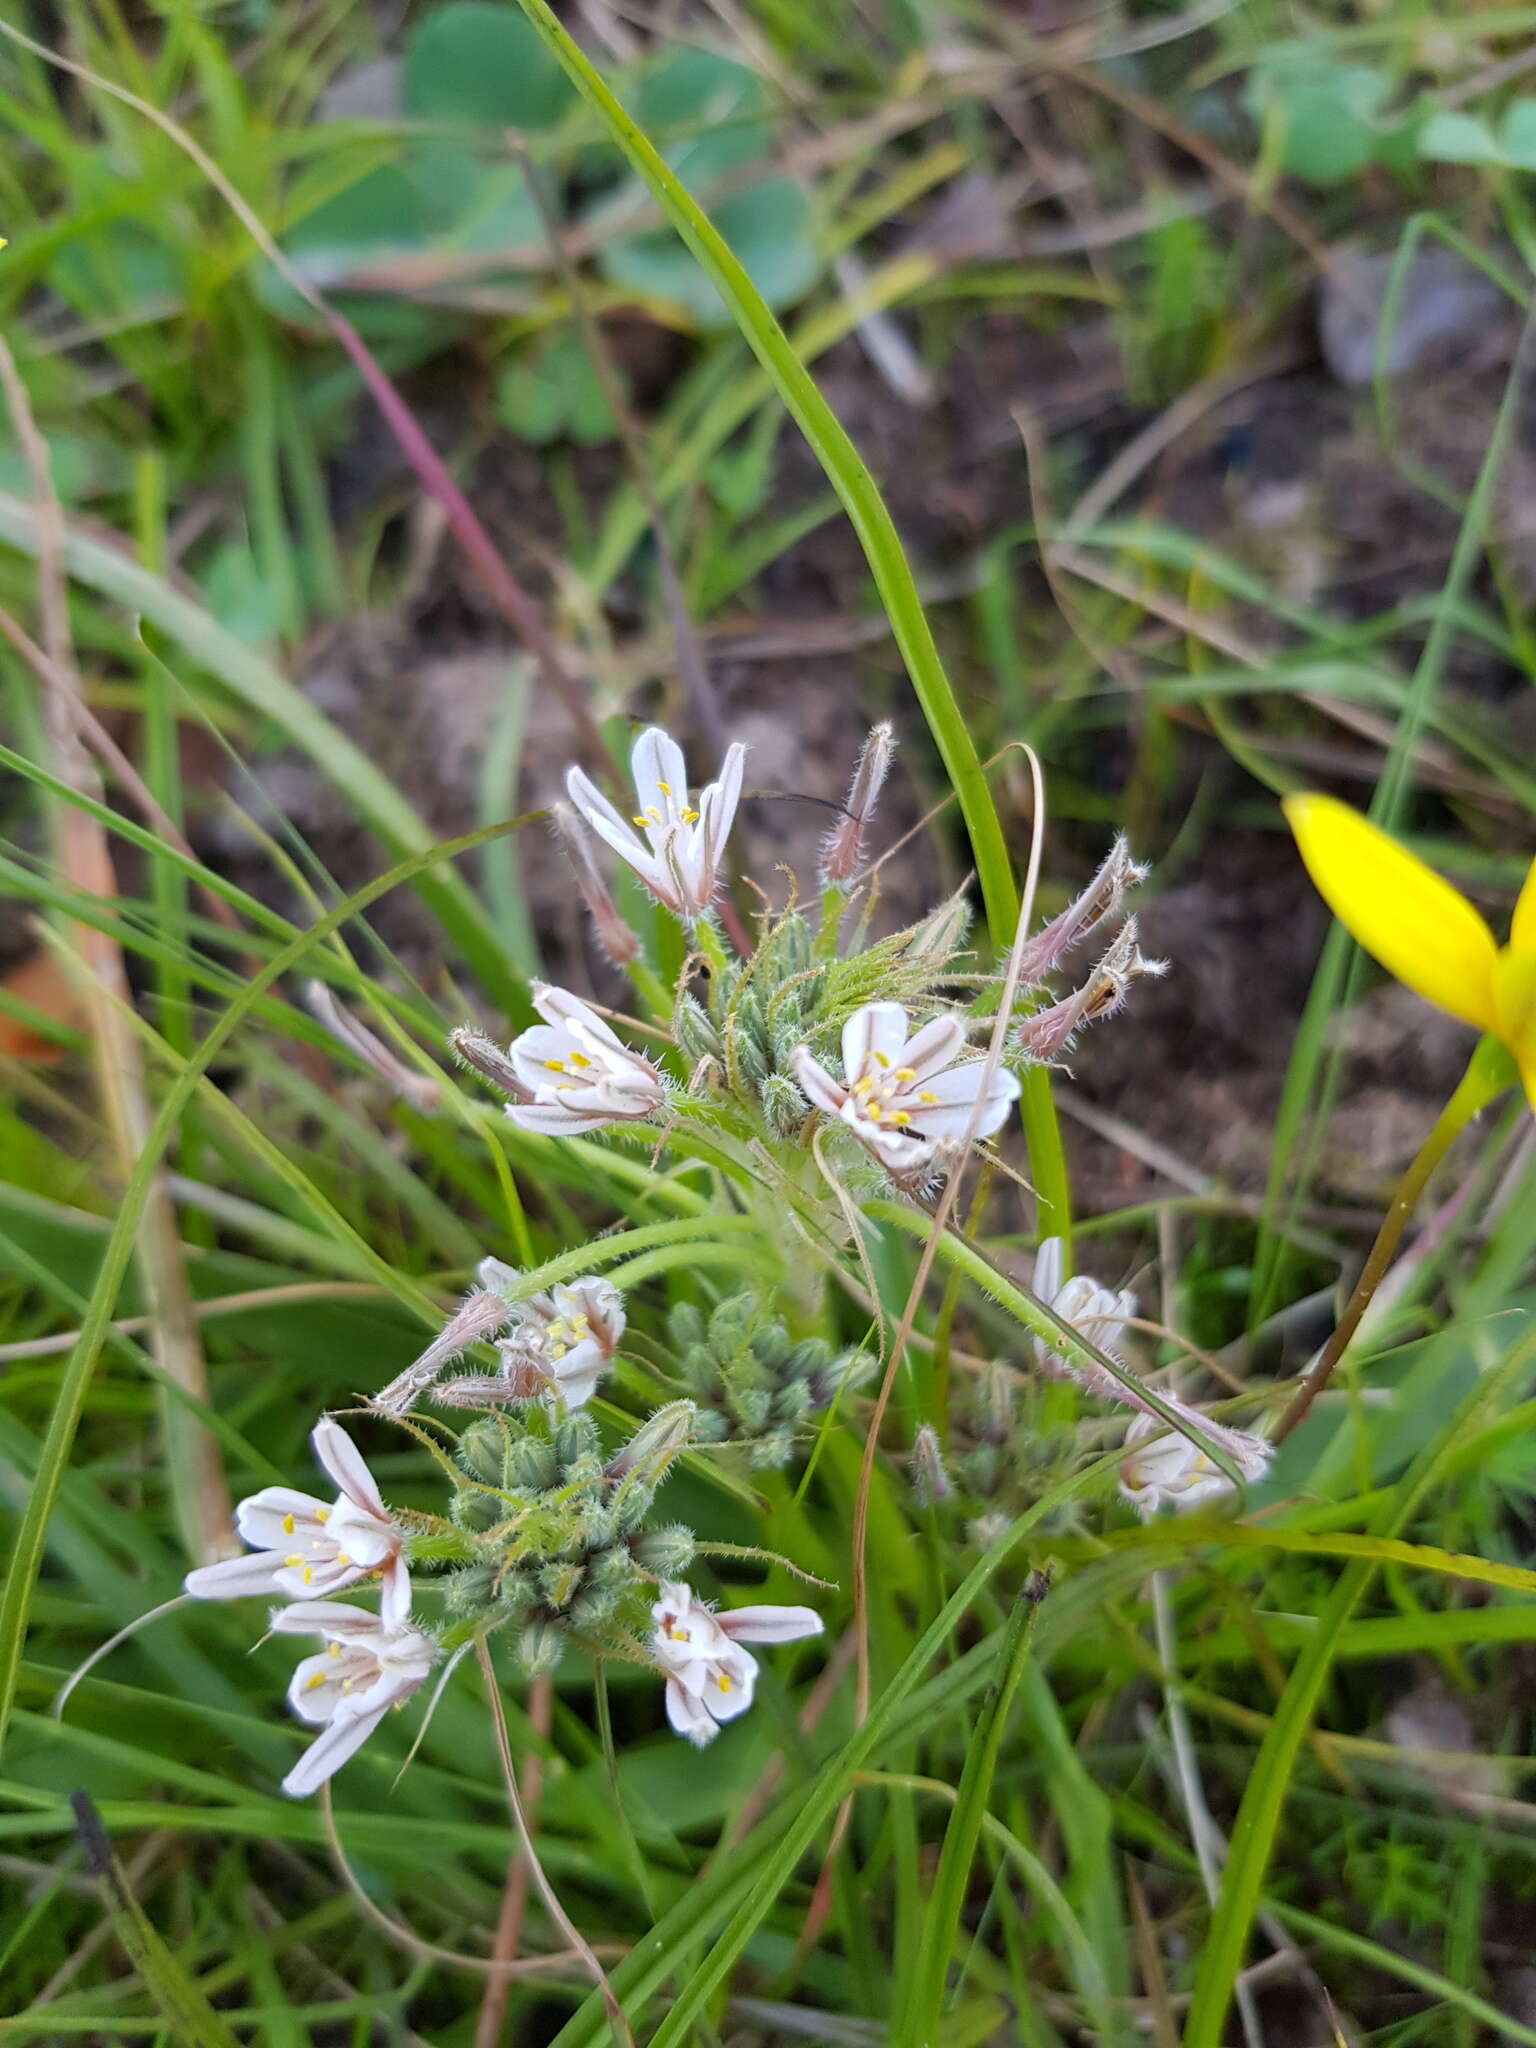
[[1488, 1073]]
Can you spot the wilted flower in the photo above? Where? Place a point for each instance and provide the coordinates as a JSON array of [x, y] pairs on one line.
[[1099, 901], [1097, 1313], [366, 1668], [710, 1678], [422, 1091], [303, 1547], [1167, 1470], [843, 846], [482, 1313], [678, 856], [901, 1096], [572, 1073], [1050, 1032]]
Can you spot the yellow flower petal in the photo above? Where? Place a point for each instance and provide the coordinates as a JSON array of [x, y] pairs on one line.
[[1424, 932], [1514, 1003], [1522, 929]]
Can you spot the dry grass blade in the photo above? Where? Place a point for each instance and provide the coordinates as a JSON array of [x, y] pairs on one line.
[[191, 1454]]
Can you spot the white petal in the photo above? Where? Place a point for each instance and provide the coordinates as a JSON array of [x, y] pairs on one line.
[[599, 813], [314, 1691], [1047, 1280], [935, 1047], [395, 1592], [687, 1716], [339, 1621], [328, 1752], [717, 806], [237, 1578], [658, 759], [629, 848], [878, 1027], [816, 1083], [262, 1517], [549, 1119], [346, 1465], [770, 1624], [729, 1687], [950, 1115]]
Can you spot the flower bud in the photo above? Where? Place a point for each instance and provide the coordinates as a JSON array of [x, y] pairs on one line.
[[480, 1317], [422, 1091], [696, 1035], [488, 1060], [542, 1645], [482, 1449], [529, 1464], [613, 934], [559, 1581], [931, 1482], [1049, 1033], [665, 1552], [942, 932], [843, 848], [655, 1444], [472, 1589], [476, 1511]]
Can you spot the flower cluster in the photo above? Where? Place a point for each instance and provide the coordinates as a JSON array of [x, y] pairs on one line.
[[811, 1057]]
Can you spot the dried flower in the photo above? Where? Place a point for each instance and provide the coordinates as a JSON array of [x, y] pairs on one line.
[[901, 1096], [422, 1091], [1100, 901], [304, 1548], [843, 847], [1167, 1470], [613, 934], [366, 1668], [483, 1313], [710, 1678], [931, 1482], [678, 856], [1050, 1032], [574, 1074]]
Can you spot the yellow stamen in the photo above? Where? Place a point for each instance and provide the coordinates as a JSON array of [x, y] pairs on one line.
[[862, 1088], [315, 1678], [924, 1096], [555, 1066], [579, 1059], [880, 1059], [665, 788], [322, 1515], [906, 1073], [292, 1563], [342, 1558], [723, 1682], [689, 817], [333, 1649], [308, 1575], [875, 1113], [640, 819], [287, 1525], [901, 1116]]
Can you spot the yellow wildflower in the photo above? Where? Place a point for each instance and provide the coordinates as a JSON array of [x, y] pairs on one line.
[[1425, 933]]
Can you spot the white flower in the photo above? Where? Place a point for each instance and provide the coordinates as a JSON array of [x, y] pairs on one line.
[[1170, 1471], [304, 1547], [678, 855], [902, 1096], [710, 1678], [576, 1074], [578, 1328], [1096, 1313], [366, 1667]]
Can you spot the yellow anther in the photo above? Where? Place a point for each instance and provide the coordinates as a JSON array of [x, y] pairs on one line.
[[579, 1059], [333, 1649], [901, 1116], [315, 1678], [665, 788], [322, 1515], [723, 1682], [689, 817], [640, 819], [342, 1558], [580, 1324], [555, 1066], [875, 1113], [906, 1073], [924, 1096], [863, 1087], [308, 1575], [880, 1059], [290, 1563], [287, 1525]]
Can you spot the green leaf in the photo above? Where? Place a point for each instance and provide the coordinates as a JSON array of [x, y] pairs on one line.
[[706, 112], [1517, 135], [1457, 139], [554, 393], [483, 65], [769, 228], [1324, 110]]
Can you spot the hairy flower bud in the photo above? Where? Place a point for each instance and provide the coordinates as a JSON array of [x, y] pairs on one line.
[[1100, 901], [1051, 1032], [483, 1313], [843, 848], [931, 1482], [655, 1444], [422, 1091], [613, 934], [667, 1553], [541, 1646], [695, 1033], [942, 932]]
